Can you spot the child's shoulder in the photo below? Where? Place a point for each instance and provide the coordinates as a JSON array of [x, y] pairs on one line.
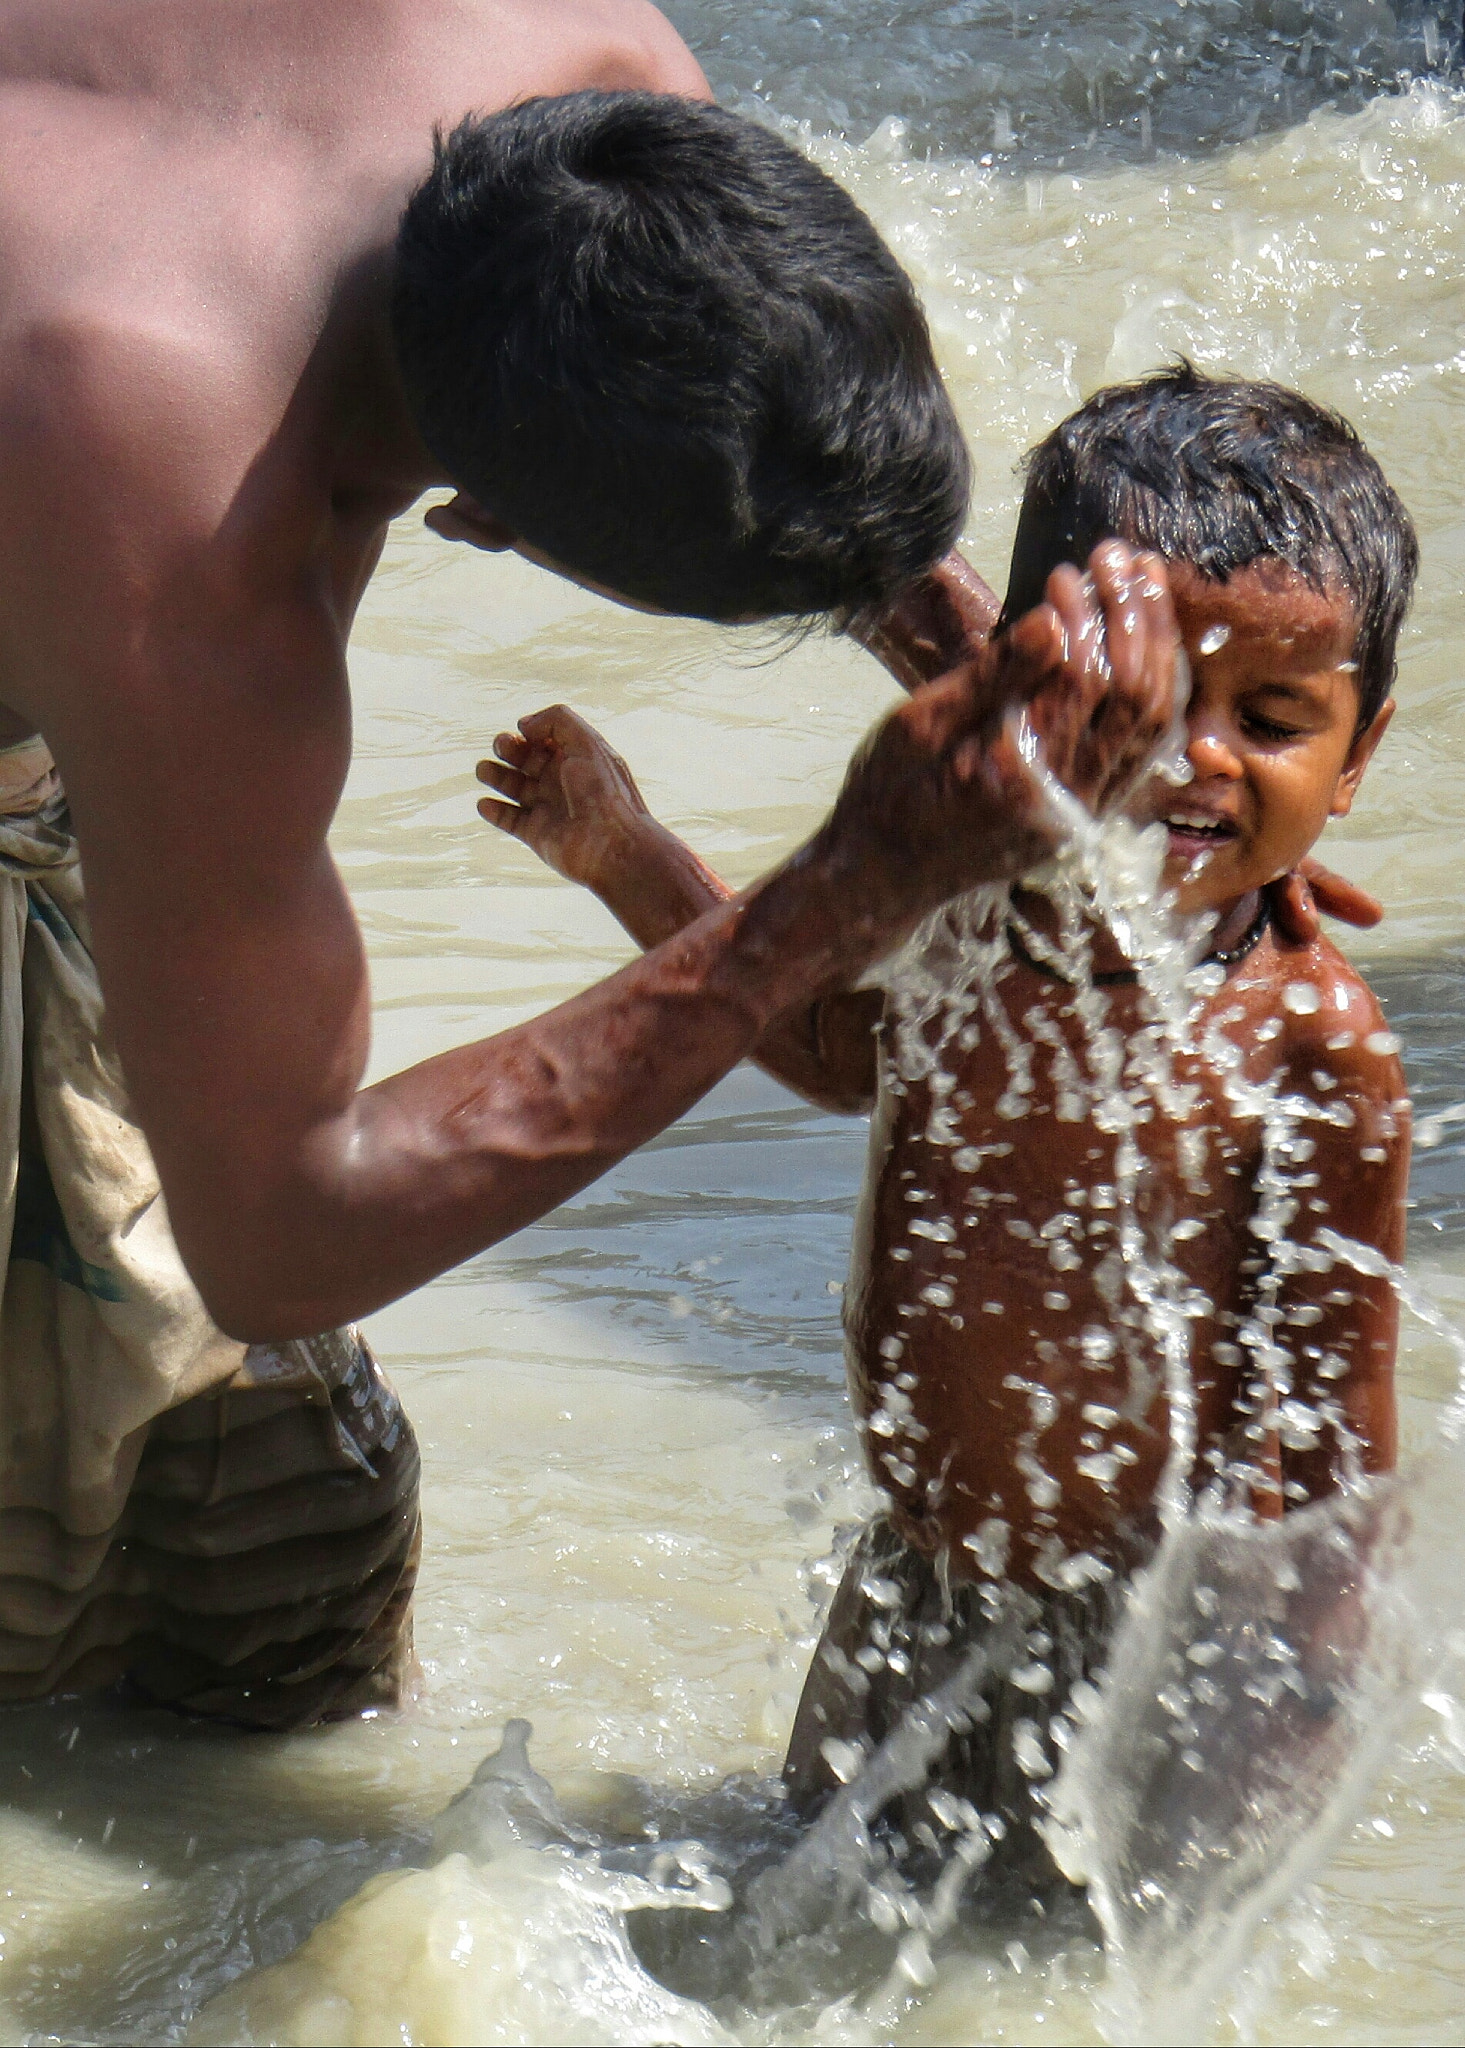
[[1326, 1026]]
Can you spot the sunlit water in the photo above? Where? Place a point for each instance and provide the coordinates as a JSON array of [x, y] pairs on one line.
[[637, 1448]]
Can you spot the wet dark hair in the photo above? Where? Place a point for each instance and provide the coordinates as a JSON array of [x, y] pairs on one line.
[[667, 350], [1220, 473]]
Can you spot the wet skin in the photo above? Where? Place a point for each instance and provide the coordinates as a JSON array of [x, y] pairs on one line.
[[1275, 749], [997, 1432], [202, 440]]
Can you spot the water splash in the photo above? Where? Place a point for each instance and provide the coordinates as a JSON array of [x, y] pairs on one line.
[[1263, 1668]]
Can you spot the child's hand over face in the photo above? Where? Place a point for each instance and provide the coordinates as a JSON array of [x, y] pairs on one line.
[[567, 794]]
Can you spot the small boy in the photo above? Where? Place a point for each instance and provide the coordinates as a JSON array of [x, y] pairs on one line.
[[1004, 1368]]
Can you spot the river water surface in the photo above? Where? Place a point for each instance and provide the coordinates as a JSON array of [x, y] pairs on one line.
[[636, 1444]]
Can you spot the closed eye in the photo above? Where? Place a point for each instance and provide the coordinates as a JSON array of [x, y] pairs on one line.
[[1270, 728]]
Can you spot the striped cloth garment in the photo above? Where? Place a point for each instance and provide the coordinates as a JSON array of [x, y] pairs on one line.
[[231, 1531]]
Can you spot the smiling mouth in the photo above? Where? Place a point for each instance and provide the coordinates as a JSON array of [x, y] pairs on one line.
[[1197, 832]]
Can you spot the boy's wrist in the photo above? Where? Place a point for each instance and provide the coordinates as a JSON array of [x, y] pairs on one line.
[[629, 852], [651, 881]]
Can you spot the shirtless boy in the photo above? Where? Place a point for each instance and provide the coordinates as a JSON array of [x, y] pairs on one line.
[[1008, 1383]]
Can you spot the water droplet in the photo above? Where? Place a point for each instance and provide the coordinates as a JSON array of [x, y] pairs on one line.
[[1301, 998], [1214, 639], [845, 1759], [1027, 1751]]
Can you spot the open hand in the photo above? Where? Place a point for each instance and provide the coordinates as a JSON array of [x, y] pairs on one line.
[[566, 793], [1093, 670], [944, 794]]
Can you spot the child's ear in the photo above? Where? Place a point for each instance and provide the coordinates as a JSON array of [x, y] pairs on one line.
[[1359, 755]]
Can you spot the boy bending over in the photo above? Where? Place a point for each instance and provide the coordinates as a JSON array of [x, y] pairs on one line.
[[1006, 1375]]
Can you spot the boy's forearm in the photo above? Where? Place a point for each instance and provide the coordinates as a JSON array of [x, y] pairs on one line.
[[824, 1051], [657, 886]]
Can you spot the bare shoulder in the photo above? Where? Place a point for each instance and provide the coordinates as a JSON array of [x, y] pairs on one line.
[[144, 429], [1328, 1044], [556, 46], [647, 54], [1332, 1027]]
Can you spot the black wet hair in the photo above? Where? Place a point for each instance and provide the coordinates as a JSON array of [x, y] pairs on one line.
[[669, 351], [1220, 473]]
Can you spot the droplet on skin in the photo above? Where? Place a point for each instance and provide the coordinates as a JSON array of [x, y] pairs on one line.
[[1027, 1751], [1301, 998], [988, 1544], [1381, 1042], [1100, 1466], [1055, 1300], [1214, 639], [1205, 1654], [939, 1294], [845, 1759]]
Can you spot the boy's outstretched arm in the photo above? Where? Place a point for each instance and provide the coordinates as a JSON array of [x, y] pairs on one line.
[[564, 791]]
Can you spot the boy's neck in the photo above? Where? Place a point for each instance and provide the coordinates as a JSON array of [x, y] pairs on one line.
[[1234, 921]]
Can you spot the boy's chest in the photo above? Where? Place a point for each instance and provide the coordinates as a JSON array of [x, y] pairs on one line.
[[1050, 1148]]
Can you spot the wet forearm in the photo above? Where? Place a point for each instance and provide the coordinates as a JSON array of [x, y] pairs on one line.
[[824, 1050], [658, 886], [438, 1163]]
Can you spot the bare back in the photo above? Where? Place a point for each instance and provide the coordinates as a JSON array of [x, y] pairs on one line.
[[202, 439], [186, 195]]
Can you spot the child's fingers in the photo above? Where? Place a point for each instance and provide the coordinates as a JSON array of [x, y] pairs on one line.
[[556, 726], [507, 781], [507, 817], [528, 756]]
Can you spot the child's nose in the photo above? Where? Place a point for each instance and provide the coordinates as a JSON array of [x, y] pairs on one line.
[[1210, 754]]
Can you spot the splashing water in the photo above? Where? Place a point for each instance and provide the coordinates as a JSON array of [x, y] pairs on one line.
[[1258, 1677], [622, 1493], [1262, 1669]]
